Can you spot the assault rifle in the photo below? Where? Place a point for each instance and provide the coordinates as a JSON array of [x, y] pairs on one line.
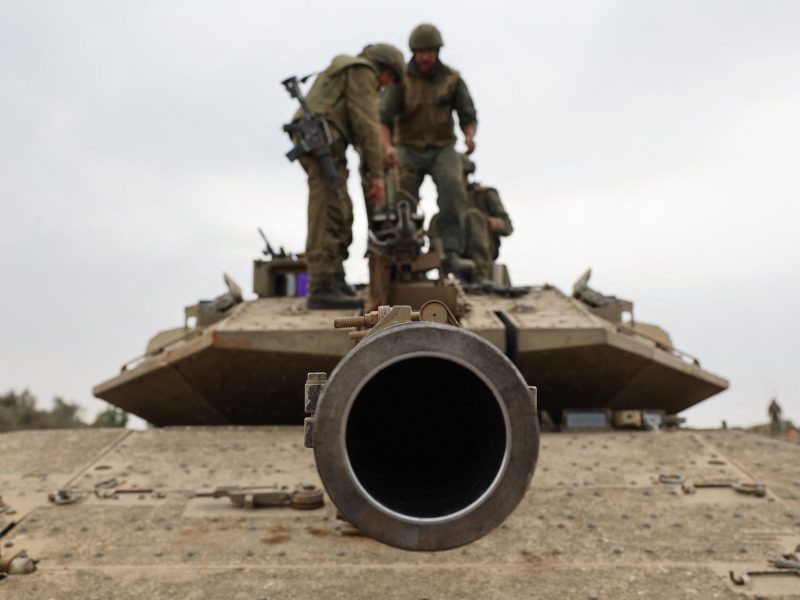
[[312, 134]]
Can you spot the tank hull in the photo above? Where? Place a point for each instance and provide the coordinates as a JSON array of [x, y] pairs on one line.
[[597, 522]]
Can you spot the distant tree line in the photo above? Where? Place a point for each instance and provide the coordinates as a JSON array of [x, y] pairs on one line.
[[19, 411]]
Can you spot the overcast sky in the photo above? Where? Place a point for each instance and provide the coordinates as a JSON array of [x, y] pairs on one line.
[[657, 142]]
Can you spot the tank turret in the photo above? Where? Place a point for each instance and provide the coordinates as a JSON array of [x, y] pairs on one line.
[[239, 361]]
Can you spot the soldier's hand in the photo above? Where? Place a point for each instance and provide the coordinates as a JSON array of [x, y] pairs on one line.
[[376, 195], [492, 223], [470, 142], [391, 156]]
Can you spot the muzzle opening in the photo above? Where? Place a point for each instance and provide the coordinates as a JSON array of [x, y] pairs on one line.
[[426, 437]]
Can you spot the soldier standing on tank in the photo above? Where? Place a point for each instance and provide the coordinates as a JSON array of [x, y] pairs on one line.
[[346, 94], [486, 220], [776, 424], [417, 115]]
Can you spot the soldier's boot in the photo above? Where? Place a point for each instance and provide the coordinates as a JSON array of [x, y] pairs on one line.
[[332, 297], [344, 287], [480, 278], [458, 265], [483, 282]]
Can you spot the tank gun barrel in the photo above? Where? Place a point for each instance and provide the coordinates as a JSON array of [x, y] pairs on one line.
[[425, 435]]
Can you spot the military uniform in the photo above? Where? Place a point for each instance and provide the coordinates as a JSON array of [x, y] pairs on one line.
[[482, 242], [346, 94], [775, 417], [420, 111]]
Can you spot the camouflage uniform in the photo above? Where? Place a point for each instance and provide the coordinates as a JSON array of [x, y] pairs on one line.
[[482, 243], [346, 93], [420, 111]]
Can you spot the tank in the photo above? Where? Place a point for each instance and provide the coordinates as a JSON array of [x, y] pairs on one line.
[[421, 459]]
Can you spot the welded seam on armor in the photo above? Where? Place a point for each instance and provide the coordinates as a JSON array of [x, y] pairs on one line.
[[629, 381], [109, 448], [210, 406], [746, 474], [8, 528]]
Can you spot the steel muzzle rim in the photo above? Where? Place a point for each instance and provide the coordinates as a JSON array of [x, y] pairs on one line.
[[512, 444]]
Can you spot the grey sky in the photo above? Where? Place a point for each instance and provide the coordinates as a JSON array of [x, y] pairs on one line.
[[657, 142]]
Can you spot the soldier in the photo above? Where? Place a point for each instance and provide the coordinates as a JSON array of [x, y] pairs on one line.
[[776, 424], [418, 114], [486, 220], [346, 94]]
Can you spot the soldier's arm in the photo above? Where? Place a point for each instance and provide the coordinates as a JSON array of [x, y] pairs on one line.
[[467, 114], [501, 222], [362, 111], [389, 151], [391, 105]]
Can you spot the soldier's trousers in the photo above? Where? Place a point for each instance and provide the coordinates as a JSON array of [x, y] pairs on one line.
[[444, 167], [480, 244], [330, 221]]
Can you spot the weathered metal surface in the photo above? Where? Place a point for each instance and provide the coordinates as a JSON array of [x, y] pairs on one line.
[[246, 368], [227, 373], [425, 466], [597, 523], [580, 360]]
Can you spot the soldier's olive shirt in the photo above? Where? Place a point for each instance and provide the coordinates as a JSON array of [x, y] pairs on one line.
[[346, 94], [487, 200], [420, 109]]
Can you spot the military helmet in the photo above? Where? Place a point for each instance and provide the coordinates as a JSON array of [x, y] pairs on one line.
[[386, 55], [467, 165], [425, 36]]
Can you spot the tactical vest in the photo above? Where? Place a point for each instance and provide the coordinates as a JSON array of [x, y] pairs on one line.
[[427, 116], [327, 96]]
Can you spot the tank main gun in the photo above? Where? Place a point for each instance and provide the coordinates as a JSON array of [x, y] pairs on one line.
[[425, 435]]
